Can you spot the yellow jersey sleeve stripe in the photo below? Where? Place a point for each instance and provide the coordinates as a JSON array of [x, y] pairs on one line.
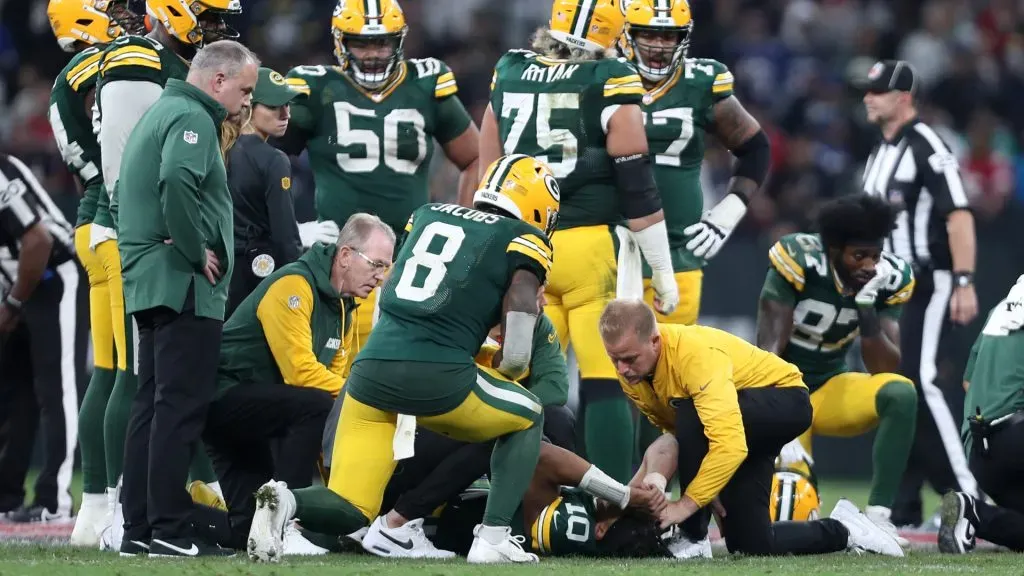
[[84, 76], [724, 78], [494, 80], [446, 89], [89, 62], [131, 62], [620, 80], [548, 521], [903, 296], [536, 242], [637, 89], [446, 77], [719, 88], [298, 84], [408, 225], [531, 253], [137, 51], [786, 267]]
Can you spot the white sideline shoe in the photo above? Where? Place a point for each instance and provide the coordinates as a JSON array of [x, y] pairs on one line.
[[510, 549], [295, 544], [406, 541]]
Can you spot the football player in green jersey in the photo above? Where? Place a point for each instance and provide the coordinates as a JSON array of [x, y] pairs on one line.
[[573, 106], [133, 71], [84, 26], [992, 434], [822, 291], [460, 271], [686, 98], [368, 126]]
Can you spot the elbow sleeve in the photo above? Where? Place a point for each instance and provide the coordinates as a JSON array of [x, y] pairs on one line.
[[753, 158], [638, 192]]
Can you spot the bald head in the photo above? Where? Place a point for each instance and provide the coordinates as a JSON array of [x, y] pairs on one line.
[[624, 316], [630, 335]]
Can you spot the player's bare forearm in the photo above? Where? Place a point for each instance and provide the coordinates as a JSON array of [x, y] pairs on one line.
[[881, 352], [489, 143], [467, 183], [774, 325], [561, 466], [464, 152], [960, 226], [735, 128], [33, 255], [661, 457]]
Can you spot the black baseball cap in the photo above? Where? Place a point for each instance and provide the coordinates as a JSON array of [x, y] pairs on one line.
[[889, 75]]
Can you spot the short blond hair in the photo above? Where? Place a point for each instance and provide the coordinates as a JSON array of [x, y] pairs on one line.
[[627, 314]]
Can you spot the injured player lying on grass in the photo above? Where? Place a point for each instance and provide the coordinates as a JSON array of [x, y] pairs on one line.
[[552, 517]]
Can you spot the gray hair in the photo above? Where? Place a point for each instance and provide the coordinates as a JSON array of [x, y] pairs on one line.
[[358, 228], [225, 56]]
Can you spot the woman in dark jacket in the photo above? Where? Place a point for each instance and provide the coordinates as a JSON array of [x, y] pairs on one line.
[[266, 234]]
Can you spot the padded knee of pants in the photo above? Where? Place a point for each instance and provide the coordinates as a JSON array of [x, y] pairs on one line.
[[897, 399]]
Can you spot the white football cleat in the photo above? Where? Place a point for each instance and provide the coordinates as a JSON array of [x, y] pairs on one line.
[[275, 506], [295, 544], [406, 541], [957, 534], [880, 516], [93, 517], [685, 549], [864, 534], [510, 549]]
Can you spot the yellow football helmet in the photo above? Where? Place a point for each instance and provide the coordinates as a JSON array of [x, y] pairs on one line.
[[523, 187], [794, 496], [657, 58], [373, 24], [592, 25], [90, 21], [195, 22]]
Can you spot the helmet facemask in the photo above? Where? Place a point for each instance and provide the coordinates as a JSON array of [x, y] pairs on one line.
[[656, 60], [386, 52], [119, 13], [213, 27]]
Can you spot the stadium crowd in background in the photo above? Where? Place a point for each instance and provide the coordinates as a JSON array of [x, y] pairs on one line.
[[970, 59]]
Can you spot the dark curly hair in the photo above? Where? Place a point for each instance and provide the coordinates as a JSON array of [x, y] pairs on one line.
[[855, 219], [634, 535]]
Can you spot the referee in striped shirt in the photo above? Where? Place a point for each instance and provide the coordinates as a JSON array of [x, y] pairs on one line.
[[914, 169], [38, 380]]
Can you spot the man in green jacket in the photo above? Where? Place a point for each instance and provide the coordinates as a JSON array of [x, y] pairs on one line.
[[281, 363], [176, 243]]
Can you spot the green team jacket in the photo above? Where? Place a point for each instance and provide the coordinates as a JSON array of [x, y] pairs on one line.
[[246, 356], [173, 186]]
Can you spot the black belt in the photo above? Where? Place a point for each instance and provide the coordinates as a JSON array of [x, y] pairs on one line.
[[1007, 421], [982, 430]]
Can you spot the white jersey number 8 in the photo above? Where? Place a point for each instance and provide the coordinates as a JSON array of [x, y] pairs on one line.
[[435, 263]]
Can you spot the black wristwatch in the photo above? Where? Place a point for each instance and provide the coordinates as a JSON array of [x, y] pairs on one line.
[[963, 279]]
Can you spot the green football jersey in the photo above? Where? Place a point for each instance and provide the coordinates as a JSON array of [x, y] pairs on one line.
[[557, 111], [134, 58], [995, 369], [448, 283], [371, 152], [825, 321], [677, 114], [73, 126], [566, 527]]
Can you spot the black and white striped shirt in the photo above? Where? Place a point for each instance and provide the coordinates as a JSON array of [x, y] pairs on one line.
[[917, 172], [23, 204]]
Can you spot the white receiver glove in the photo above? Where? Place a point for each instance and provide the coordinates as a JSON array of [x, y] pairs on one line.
[[715, 226], [869, 293], [311, 232], [794, 453]]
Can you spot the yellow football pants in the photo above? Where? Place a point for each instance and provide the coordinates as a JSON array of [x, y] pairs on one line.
[[363, 457], [102, 329], [688, 310], [844, 406], [582, 281], [110, 259]]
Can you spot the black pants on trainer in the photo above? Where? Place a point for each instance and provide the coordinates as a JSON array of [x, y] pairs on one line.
[[240, 427], [926, 336], [39, 364], [771, 418], [999, 476], [178, 356]]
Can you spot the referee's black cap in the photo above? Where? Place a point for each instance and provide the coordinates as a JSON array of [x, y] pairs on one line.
[[887, 76]]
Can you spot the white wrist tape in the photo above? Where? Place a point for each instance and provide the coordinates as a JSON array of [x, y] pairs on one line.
[[656, 479], [653, 242], [597, 483], [518, 345]]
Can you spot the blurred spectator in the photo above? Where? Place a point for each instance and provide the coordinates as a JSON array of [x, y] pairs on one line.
[[987, 172]]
